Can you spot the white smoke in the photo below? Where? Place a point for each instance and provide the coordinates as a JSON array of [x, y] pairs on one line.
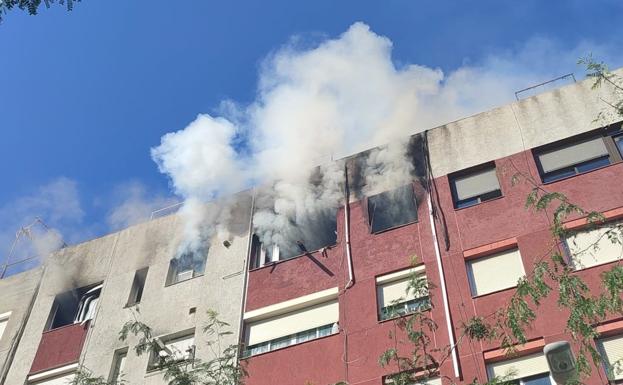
[[317, 104], [57, 204], [134, 204]]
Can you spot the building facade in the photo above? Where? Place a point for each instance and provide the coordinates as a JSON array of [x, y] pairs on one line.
[[326, 315]]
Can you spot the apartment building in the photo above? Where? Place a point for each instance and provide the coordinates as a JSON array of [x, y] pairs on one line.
[[323, 316]]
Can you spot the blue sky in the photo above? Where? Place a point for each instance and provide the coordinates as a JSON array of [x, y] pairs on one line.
[[85, 94]]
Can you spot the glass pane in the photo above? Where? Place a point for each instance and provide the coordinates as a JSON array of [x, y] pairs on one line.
[[541, 379], [467, 202], [280, 343], [619, 142], [305, 336], [392, 208], [593, 164], [558, 174], [325, 330]]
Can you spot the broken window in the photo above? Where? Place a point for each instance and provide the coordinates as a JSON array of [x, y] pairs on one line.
[[392, 208], [189, 264], [136, 293], [75, 306]]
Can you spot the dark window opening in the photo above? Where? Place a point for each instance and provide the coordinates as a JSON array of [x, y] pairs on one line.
[[392, 208], [578, 155], [188, 265], [313, 241], [75, 306], [475, 186], [138, 284]]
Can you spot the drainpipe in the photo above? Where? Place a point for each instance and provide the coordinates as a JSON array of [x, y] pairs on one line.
[[444, 292], [349, 257], [245, 282]]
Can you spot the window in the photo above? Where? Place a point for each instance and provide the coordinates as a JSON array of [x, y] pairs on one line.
[[4, 320], [595, 246], [395, 297], [117, 371], [527, 370], [579, 155], [392, 208], [138, 284], [293, 327], [474, 186], [611, 350], [187, 265], [505, 266], [421, 381], [178, 347], [75, 306]]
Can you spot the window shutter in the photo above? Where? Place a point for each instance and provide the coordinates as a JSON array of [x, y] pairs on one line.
[[520, 367], [476, 184], [293, 322], [506, 267], [612, 351], [573, 154], [584, 254]]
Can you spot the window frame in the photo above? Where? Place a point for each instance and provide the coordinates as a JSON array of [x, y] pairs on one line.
[[154, 366], [4, 318], [482, 198], [293, 339], [173, 273], [519, 380], [369, 218], [567, 249], [138, 287], [115, 371], [403, 275], [493, 254], [607, 134]]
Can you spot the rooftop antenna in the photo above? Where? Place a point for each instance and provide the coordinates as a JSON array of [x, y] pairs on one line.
[[563, 77], [27, 233]]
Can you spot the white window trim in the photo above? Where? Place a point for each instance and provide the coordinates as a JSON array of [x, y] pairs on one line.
[[50, 374]]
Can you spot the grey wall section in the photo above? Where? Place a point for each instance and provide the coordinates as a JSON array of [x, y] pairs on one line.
[[16, 294], [113, 259], [520, 126]]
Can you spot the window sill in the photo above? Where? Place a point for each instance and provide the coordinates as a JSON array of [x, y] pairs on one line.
[[290, 346], [272, 264], [494, 292], [391, 228], [478, 204], [186, 280], [578, 174]]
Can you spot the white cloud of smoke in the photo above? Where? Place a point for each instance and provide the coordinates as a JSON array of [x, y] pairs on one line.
[[57, 204], [337, 98]]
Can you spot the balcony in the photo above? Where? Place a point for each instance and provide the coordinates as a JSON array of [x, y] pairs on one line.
[[59, 347]]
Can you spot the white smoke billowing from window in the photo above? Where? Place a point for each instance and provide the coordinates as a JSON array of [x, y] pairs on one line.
[[339, 97]]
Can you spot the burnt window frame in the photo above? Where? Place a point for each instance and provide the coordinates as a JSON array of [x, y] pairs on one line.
[[612, 137], [77, 295], [480, 199], [369, 218], [172, 272]]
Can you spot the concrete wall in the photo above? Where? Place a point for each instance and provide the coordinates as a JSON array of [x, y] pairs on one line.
[[16, 294], [519, 126], [113, 260]]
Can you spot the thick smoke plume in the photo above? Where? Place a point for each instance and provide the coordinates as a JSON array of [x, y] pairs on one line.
[[317, 104]]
